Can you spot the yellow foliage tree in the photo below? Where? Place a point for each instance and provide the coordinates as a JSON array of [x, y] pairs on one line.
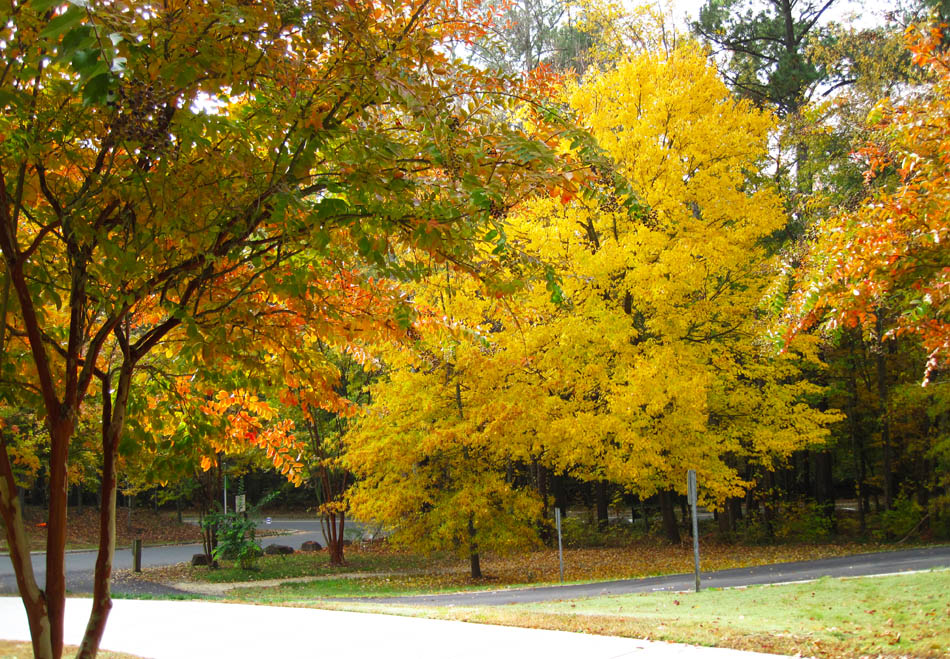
[[432, 450], [647, 360], [655, 347]]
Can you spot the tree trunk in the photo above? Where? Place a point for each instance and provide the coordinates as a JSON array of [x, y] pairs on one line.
[[770, 503], [824, 485], [722, 521], [560, 494], [34, 600], [60, 432], [882, 392], [804, 476], [474, 561], [600, 494], [857, 445], [333, 531], [670, 528], [113, 422]]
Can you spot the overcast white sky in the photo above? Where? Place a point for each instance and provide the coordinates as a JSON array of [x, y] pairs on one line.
[[869, 12]]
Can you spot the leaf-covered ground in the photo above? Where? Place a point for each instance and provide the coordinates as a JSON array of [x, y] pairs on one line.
[[381, 571], [893, 616], [154, 528], [368, 560], [23, 650]]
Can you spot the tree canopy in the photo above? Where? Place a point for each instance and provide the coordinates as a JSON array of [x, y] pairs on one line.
[[215, 178]]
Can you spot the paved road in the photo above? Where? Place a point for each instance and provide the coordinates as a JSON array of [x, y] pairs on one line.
[[845, 566], [81, 564], [181, 630]]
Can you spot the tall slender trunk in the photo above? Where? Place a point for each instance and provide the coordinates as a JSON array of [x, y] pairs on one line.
[[824, 485], [475, 563], [882, 392], [600, 493], [560, 493], [34, 600], [669, 517], [857, 445], [332, 521], [61, 430], [723, 522], [340, 523], [113, 422]]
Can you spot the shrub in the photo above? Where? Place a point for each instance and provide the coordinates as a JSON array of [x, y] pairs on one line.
[[235, 537], [902, 519], [753, 530], [577, 533], [804, 522]]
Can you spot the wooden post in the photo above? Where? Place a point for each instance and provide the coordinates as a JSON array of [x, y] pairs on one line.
[[137, 554]]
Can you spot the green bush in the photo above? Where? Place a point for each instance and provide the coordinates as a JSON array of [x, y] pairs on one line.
[[940, 524], [235, 536], [577, 533], [900, 520], [804, 522], [754, 530]]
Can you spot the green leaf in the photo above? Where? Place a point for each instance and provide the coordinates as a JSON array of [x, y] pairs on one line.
[[75, 38], [331, 206], [45, 5], [8, 98], [96, 90], [84, 59], [481, 199], [403, 316], [63, 23]]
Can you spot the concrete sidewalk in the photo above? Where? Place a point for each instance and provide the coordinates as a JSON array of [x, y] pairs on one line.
[[178, 630]]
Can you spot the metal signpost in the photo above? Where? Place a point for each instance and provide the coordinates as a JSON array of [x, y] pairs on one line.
[[560, 549], [691, 483]]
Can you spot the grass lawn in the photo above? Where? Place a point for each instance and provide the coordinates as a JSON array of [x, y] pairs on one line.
[[893, 616], [298, 565]]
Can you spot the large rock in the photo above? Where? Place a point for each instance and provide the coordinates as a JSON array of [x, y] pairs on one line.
[[200, 560], [273, 550], [311, 545]]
